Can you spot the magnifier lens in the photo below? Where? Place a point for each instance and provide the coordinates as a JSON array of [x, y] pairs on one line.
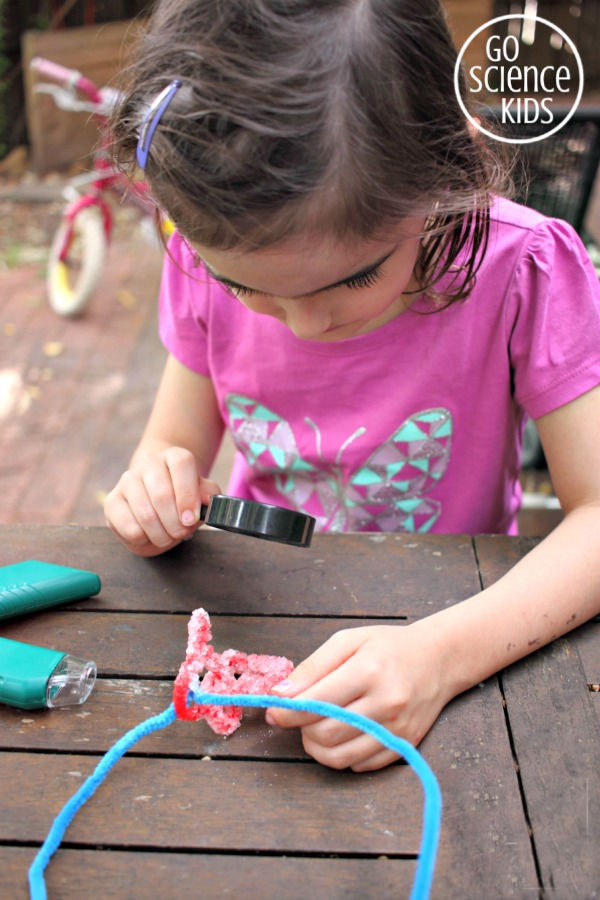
[[262, 520]]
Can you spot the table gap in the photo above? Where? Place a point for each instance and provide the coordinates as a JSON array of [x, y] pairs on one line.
[[225, 615], [514, 755], [140, 754], [477, 564], [212, 851]]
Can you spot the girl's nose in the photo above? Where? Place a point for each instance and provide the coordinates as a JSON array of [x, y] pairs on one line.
[[307, 319]]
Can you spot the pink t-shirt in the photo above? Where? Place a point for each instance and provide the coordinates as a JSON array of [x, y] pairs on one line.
[[415, 426]]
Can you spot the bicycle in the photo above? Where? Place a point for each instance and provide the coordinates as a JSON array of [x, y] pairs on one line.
[[78, 251]]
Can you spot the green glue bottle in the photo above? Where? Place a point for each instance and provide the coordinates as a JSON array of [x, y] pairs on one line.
[[36, 677]]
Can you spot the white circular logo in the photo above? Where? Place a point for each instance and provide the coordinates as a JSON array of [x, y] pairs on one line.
[[501, 74]]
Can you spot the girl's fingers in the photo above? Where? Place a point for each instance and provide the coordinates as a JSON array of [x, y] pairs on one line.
[[126, 526], [331, 732], [150, 506], [122, 522], [158, 502], [378, 760], [337, 686], [336, 650], [361, 753], [161, 483], [183, 474], [340, 745], [207, 489]]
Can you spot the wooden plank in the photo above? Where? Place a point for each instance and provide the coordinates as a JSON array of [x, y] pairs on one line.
[[153, 645], [352, 574], [116, 706], [58, 137], [484, 836], [557, 744], [498, 553], [73, 874], [587, 642], [483, 824], [188, 804]]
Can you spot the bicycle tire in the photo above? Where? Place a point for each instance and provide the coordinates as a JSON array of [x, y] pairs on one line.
[[69, 289]]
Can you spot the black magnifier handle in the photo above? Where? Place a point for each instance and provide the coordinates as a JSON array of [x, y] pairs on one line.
[[261, 520]]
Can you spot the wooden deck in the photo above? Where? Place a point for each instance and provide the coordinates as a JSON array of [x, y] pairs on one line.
[[75, 393]]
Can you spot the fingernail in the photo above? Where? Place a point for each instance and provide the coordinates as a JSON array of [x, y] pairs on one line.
[[188, 517], [269, 718], [283, 687]]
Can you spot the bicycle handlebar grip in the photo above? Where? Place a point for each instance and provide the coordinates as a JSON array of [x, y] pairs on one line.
[[53, 70], [66, 76]]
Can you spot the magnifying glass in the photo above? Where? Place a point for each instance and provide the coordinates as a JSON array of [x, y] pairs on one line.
[[261, 520]]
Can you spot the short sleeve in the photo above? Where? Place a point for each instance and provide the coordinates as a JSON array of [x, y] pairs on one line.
[[183, 304], [553, 320]]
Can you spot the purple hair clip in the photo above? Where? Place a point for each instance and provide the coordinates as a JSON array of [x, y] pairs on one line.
[[152, 119]]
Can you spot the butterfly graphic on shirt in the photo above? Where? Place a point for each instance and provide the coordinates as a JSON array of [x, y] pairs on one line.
[[386, 493]]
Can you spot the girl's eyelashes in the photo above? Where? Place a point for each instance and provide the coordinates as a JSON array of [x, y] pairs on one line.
[[238, 290], [366, 279]]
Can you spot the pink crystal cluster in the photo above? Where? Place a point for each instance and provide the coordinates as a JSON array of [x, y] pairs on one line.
[[230, 672]]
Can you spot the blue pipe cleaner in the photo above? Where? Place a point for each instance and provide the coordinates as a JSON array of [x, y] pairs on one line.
[[432, 808], [37, 886]]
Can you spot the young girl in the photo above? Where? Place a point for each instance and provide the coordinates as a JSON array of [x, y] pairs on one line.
[[349, 296]]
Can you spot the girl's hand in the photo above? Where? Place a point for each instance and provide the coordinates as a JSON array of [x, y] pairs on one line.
[[393, 674], [156, 503]]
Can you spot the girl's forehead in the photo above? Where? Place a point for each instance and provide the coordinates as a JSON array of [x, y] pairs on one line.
[[277, 272], [313, 262]]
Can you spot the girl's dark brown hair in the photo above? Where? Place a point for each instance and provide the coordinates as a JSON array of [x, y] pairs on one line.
[[330, 117]]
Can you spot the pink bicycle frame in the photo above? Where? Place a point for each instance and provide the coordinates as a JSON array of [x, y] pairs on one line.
[[104, 174]]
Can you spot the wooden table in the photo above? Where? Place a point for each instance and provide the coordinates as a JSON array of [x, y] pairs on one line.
[[189, 813]]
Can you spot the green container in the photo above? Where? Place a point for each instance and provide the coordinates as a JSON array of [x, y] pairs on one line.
[[34, 677], [31, 585]]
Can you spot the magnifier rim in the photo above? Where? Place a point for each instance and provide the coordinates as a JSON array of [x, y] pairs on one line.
[[262, 520]]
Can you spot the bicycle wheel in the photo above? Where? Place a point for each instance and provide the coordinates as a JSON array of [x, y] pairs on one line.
[[76, 261]]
